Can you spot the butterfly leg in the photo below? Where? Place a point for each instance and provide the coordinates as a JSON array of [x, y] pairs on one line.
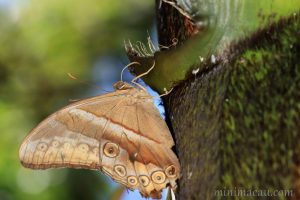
[[166, 92]]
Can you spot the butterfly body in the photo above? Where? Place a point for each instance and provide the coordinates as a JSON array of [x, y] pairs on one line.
[[120, 133]]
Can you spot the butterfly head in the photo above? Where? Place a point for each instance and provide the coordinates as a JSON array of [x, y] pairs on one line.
[[120, 85]]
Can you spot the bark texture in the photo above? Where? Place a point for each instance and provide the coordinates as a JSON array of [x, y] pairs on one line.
[[236, 124]]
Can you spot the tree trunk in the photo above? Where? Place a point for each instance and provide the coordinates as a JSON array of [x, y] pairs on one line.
[[236, 120]]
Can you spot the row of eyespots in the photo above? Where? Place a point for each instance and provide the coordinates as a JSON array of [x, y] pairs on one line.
[[112, 150], [157, 177], [42, 146]]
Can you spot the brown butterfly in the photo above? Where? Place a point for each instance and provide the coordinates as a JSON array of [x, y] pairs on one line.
[[120, 133]]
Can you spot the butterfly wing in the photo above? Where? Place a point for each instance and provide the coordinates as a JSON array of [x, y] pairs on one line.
[[123, 136], [53, 144]]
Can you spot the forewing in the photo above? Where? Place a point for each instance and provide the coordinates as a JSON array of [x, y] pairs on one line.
[[151, 124], [68, 138]]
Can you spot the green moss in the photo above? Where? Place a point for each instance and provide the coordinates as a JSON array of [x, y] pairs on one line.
[[261, 115]]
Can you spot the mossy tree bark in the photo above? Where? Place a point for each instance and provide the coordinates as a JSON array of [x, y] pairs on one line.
[[235, 120]]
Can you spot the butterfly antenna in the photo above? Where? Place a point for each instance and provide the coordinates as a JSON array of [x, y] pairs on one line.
[[130, 64], [145, 73], [134, 81], [83, 82]]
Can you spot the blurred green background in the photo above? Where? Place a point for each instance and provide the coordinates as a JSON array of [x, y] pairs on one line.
[[40, 42]]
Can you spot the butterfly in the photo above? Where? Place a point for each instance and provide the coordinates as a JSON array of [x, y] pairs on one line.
[[120, 133]]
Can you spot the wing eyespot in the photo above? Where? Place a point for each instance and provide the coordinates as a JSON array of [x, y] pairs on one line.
[[171, 171], [132, 180], [83, 147], [55, 143], [158, 177], [144, 180], [42, 146], [111, 150], [120, 170]]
